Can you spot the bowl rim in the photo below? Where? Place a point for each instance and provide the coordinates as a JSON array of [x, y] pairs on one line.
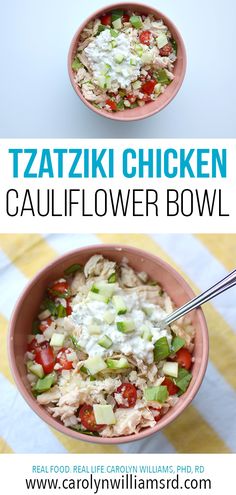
[[30, 400], [120, 116]]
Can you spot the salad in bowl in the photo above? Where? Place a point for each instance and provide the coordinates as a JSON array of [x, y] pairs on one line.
[[98, 359]]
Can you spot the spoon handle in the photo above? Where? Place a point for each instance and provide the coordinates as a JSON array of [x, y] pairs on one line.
[[221, 286]]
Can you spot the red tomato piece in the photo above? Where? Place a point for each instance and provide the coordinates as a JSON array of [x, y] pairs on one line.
[[126, 18], [157, 410], [106, 20], [58, 288], [112, 104], [32, 346], [44, 355], [148, 87], [166, 50], [45, 324], [184, 358], [146, 98], [68, 307], [129, 393], [87, 418], [131, 98], [62, 359], [145, 38], [171, 387]]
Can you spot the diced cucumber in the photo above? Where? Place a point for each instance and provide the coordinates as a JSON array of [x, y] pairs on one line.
[[139, 50], [117, 364], [114, 33], [61, 311], [170, 369], [35, 368], [103, 288], [98, 297], [119, 58], [162, 77], [76, 64], [105, 342], [57, 339], [119, 304], [120, 105], [147, 57], [161, 349], [133, 62], [156, 394], [162, 40], [104, 414], [136, 21], [113, 44], [117, 24], [95, 364], [177, 344], [94, 329], [183, 380], [137, 85], [112, 279], [148, 308], [157, 89], [126, 326], [44, 384], [101, 82], [73, 268], [146, 333], [109, 317]]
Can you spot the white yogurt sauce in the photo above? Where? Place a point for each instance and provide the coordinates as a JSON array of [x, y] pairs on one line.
[[89, 312], [103, 57]]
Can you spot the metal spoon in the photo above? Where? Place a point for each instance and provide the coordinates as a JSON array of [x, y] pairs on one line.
[[221, 286]]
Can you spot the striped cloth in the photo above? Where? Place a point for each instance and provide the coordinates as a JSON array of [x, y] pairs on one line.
[[208, 425]]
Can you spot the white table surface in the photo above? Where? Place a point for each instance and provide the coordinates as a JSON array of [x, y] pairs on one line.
[[37, 100]]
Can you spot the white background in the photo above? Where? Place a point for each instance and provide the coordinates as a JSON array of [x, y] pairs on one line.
[[37, 100], [220, 470], [120, 223]]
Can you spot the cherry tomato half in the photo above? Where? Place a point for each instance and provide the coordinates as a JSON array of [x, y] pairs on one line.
[[87, 418], [131, 98], [58, 288], [44, 355], [148, 87], [129, 393], [45, 324], [62, 359], [166, 50], [184, 358], [112, 104], [106, 20], [145, 38], [171, 387]]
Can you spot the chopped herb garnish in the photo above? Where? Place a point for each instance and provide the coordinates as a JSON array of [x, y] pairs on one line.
[[85, 432], [112, 279], [35, 328], [61, 311], [175, 46], [73, 268], [76, 64], [75, 342], [50, 305]]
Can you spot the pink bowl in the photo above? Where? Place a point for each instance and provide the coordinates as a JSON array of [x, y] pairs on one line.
[[29, 302], [171, 91]]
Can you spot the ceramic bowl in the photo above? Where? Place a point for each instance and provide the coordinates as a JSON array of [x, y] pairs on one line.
[[171, 91], [27, 308]]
